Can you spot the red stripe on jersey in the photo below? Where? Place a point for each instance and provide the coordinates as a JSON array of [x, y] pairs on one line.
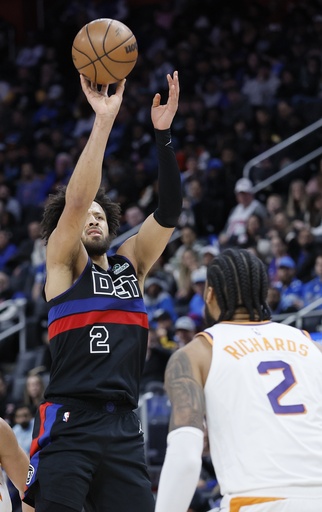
[[97, 317], [42, 413]]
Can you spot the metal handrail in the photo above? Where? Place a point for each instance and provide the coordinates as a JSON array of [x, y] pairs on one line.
[[287, 170], [297, 317], [20, 326], [278, 147]]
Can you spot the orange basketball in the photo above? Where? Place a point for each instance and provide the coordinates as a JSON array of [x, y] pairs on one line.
[[105, 51]]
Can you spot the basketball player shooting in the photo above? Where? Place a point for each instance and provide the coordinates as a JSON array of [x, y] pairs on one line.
[[88, 447], [259, 385]]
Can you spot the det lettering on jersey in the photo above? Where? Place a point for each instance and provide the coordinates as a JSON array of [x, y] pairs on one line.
[[243, 347], [124, 287]]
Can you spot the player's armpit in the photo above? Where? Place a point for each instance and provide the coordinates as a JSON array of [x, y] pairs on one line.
[[185, 392]]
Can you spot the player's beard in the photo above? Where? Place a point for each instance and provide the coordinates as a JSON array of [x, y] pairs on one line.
[[97, 248], [209, 320]]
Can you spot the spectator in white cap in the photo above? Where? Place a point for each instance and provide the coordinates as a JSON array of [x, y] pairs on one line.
[[207, 254], [185, 329], [247, 205]]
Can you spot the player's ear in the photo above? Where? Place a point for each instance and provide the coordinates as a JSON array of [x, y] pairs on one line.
[[209, 294]]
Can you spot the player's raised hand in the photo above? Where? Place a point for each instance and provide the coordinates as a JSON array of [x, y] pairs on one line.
[[101, 102], [162, 115]]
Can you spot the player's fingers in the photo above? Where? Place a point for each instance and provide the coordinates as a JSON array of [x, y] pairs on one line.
[[120, 86], [104, 90], [156, 100]]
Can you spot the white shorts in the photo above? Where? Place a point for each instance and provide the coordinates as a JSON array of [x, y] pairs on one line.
[[281, 505]]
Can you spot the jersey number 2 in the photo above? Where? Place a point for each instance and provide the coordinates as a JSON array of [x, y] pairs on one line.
[[281, 389], [99, 337]]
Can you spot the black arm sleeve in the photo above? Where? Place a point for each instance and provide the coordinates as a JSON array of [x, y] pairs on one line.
[[170, 192]]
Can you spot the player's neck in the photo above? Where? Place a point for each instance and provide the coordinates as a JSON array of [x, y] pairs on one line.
[[242, 315], [101, 261]]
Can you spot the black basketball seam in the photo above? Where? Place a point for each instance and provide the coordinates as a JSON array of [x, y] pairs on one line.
[[116, 47]]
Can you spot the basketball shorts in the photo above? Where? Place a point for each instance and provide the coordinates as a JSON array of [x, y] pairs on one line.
[[274, 505], [89, 455]]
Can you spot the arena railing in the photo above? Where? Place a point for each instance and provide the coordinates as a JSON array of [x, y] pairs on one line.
[[308, 130]]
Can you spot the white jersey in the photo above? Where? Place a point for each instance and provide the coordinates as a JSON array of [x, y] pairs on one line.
[[264, 410], [5, 501]]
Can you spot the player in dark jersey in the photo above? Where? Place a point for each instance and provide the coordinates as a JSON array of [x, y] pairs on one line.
[[88, 448]]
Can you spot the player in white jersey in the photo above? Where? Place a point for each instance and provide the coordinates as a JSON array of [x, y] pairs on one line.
[[259, 385], [15, 463]]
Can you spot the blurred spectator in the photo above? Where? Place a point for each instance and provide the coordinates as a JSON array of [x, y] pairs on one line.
[[207, 253], [303, 248], [182, 274], [314, 184], [274, 204], [291, 288], [6, 404], [34, 391], [197, 303], [164, 327], [23, 423], [253, 237], [279, 248], [282, 226], [29, 190], [261, 89], [185, 329], [274, 300], [246, 206], [31, 52], [161, 270], [314, 214], [297, 201], [7, 249], [312, 290], [133, 217], [156, 359], [9, 202], [60, 175], [188, 240], [157, 297]]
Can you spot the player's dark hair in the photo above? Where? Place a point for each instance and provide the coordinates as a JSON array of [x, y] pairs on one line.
[[56, 203], [239, 278]]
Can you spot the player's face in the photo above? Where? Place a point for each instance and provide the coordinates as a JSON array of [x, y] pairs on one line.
[[95, 235]]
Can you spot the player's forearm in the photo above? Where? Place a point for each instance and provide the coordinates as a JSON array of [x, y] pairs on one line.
[[170, 192], [87, 175], [181, 470]]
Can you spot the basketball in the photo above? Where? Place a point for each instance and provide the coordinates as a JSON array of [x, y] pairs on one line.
[[105, 51]]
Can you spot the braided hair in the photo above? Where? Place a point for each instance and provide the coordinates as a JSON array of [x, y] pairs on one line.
[[239, 278], [56, 203]]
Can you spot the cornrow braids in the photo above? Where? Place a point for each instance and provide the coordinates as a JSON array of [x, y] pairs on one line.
[[239, 278], [55, 206]]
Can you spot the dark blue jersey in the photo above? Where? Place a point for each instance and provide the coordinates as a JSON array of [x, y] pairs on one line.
[[98, 332]]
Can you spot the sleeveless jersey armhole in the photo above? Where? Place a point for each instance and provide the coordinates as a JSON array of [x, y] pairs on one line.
[[307, 334], [207, 336]]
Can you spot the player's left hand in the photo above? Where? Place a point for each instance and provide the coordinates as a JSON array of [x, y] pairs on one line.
[[162, 115]]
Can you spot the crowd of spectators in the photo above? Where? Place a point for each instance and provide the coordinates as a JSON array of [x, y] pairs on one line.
[[250, 77]]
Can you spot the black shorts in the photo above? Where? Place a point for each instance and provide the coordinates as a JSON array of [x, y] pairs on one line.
[[91, 456]]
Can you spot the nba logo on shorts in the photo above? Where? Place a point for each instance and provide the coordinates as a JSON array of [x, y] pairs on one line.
[[66, 416]]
